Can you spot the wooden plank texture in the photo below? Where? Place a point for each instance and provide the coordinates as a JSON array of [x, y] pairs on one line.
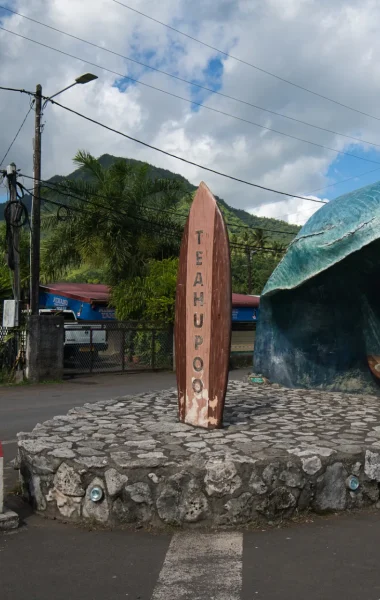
[[203, 314]]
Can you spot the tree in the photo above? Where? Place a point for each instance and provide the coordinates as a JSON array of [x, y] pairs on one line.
[[278, 250], [119, 219], [259, 238], [150, 297]]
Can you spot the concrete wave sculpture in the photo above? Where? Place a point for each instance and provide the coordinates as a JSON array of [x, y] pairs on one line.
[[320, 310]]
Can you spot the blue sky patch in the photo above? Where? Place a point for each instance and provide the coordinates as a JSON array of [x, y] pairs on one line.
[[212, 77], [345, 167]]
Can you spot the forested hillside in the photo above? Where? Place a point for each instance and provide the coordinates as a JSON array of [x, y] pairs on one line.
[[120, 221]]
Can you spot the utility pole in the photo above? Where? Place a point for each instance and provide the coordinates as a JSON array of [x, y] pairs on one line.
[[35, 237], [15, 233], [249, 254], [249, 267]]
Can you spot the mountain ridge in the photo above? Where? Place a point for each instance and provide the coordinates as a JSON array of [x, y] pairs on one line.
[[237, 219]]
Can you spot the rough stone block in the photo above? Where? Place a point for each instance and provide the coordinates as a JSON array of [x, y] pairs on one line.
[[372, 465], [8, 520], [68, 506], [331, 492], [68, 481], [115, 481], [96, 510], [221, 478], [239, 510], [181, 500], [311, 464]]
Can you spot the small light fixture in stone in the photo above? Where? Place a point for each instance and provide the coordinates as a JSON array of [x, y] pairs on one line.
[[96, 493], [352, 483]]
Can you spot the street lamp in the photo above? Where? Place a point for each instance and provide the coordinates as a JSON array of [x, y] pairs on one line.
[[86, 78], [36, 208]]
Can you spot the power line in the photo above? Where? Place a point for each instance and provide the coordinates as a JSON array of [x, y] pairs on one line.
[[302, 198], [15, 137], [247, 63], [118, 212], [163, 151], [193, 83], [185, 160], [54, 187], [191, 101], [168, 231], [22, 91], [344, 180], [325, 187], [57, 187]]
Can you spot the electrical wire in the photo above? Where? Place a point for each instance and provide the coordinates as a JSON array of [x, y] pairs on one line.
[[55, 188], [179, 158], [15, 137], [21, 90], [305, 89], [168, 230], [268, 189], [160, 226], [60, 190], [344, 180], [185, 160], [187, 100], [194, 84]]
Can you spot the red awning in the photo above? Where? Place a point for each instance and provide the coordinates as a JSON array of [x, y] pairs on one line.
[[244, 300], [85, 292], [99, 293]]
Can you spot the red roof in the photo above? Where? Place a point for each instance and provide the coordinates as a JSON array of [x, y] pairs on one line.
[[244, 300], [99, 293], [86, 292]]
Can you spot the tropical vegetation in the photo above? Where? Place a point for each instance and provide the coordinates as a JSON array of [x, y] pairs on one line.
[[120, 222]]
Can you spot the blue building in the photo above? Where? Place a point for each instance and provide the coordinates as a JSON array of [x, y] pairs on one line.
[[88, 301]]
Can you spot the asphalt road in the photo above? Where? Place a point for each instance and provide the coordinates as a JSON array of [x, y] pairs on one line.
[[331, 559]]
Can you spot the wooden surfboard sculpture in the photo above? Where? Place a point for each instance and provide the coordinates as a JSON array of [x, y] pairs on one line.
[[203, 314]]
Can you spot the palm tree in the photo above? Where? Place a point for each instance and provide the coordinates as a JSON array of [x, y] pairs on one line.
[[259, 238], [278, 249], [119, 218]]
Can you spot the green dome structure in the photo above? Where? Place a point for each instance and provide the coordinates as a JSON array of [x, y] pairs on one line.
[[320, 310]]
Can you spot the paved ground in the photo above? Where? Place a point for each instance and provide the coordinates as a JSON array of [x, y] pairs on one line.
[[280, 450], [329, 559], [22, 407]]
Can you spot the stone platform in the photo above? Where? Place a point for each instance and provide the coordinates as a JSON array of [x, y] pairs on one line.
[[281, 452]]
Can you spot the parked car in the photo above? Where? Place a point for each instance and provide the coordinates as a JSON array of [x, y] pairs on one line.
[[80, 338]]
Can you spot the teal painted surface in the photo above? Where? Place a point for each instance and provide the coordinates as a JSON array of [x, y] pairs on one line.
[[320, 310], [336, 230]]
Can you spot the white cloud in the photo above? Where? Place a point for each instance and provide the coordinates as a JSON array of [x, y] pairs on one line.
[[329, 47], [292, 210]]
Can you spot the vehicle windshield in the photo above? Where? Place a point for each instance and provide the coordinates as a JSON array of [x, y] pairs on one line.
[[67, 315]]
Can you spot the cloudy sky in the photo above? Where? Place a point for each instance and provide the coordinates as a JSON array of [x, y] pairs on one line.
[[329, 47]]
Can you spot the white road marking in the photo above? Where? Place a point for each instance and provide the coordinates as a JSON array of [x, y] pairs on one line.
[[9, 442], [202, 566]]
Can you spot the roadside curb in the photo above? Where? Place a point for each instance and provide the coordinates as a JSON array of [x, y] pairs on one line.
[[8, 518]]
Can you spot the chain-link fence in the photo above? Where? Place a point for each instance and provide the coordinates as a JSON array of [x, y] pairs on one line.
[[12, 352], [117, 346]]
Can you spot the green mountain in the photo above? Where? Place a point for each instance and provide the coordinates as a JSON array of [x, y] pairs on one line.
[[236, 218]]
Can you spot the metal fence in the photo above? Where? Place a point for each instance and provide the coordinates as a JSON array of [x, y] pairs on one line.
[[12, 351], [117, 347]]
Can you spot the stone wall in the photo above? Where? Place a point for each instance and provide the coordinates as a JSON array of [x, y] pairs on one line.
[[271, 461]]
